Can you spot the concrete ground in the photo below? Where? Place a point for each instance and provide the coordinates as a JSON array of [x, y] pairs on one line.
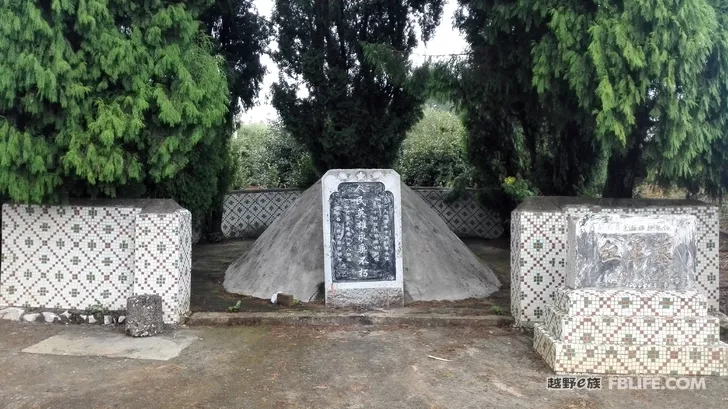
[[306, 367]]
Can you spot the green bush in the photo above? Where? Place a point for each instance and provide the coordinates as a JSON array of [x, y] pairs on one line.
[[518, 189], [433, 153], [265, 155]]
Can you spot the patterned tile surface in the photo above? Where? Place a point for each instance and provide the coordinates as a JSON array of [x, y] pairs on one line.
[[631, 330], [627, 303], [185, 266], [162, 260], [466, 217], [538, 262], [673, 360], [76, 257], [539, 241], [67, 257], [247, 213], [640, 332]]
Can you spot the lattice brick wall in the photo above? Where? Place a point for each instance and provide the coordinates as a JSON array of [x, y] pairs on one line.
[[76, 257], [247, 213]]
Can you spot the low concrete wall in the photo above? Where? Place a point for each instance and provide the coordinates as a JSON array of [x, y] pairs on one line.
[[96, 254], [247, 213], [539, 246]]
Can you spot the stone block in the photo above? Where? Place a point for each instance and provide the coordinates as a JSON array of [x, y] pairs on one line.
[[12, 313], [285, 300], [539, 237], [50, 317], [31, 317], [144, 315], [630, 251]]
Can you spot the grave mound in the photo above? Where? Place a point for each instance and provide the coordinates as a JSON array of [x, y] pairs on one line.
[[289, 256]]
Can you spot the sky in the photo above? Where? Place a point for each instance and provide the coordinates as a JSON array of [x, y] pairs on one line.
[[445, 41]]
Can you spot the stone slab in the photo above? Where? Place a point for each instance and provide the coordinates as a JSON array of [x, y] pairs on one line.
[[362, 224], [631, 251], [334, 317], [115, 345]]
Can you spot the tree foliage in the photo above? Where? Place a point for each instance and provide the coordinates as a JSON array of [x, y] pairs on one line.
[[265, 155], [641, 81], [433, 153], [512, 130], [100, 95], [240, 36], [124, 98], [352, 113]]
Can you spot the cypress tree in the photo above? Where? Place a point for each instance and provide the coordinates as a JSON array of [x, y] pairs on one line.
[[99, 98], [352, 114]]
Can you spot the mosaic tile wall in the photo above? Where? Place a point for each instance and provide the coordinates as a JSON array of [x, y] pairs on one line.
[[539, 239], [247, 213], [466, 217], [67, 257], [76, 257], [163, 260], [538, 262], [631, 332]]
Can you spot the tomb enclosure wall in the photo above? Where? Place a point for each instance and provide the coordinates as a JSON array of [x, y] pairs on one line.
[[95, 254]]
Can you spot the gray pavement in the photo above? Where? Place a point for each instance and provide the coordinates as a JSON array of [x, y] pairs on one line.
[[312, 367]]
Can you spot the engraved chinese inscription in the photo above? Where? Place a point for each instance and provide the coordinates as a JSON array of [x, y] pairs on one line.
[[362, 232]]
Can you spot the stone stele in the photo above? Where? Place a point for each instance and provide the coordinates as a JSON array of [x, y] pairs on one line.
[[289, 256], [362, 222], [144, 316], [631, 251]]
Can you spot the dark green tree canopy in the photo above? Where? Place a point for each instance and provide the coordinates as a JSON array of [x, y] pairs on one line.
[[512, 130], [640, 81], [354, 115], [240, 36], [101, 94]]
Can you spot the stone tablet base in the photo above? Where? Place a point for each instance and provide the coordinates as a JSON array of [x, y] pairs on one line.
[[382, 297], [631, 332]]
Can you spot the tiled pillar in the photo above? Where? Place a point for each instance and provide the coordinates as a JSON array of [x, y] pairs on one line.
[[162, 260]]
